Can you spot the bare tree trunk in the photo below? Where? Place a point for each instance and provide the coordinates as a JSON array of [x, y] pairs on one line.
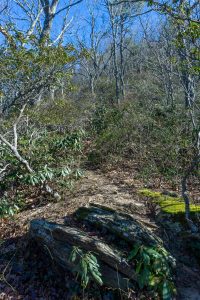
[[186, 75], [39, 99], [52, 93], [92, 79], [194, 165], [49, 14], [170, 90], [122, 91], [185, 192], [188, 83], [116, 71], [114, 31]]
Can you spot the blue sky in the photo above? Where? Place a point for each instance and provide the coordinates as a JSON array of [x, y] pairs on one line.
[[80, 14]]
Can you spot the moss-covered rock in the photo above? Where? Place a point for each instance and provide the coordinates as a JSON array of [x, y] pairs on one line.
[[169, 204]]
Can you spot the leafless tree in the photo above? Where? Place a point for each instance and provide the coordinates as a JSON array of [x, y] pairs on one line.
[[39, 16], [51, 11], [170, 8], [161, 58], [121, 17], [93, 64]]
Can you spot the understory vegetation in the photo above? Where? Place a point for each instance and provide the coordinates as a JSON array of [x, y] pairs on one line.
[[155, 139]]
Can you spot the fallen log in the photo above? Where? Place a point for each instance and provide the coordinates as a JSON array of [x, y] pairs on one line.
[[59, 240], [120, 224]]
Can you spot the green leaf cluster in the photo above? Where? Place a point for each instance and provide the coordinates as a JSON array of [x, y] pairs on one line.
[[87, 266], [72, 142], [153, 267], [9, 208]]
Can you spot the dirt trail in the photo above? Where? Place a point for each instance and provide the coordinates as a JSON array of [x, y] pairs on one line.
[[113, 189], [94, 187]]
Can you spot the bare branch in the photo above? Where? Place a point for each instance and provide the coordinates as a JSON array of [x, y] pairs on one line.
[[33, 25], [15, 125], [163, 7], [4, 169], [68, 6], [8, 37], [4, 8], [16, 154]]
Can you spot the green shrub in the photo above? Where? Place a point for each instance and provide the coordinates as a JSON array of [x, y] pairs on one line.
[[54, 157], [10, 207], [154, 269], [157, 138]]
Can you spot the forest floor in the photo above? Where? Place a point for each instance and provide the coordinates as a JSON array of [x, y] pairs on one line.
[[25, 278]]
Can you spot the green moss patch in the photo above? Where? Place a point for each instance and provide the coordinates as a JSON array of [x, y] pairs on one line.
[[168, 204]]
